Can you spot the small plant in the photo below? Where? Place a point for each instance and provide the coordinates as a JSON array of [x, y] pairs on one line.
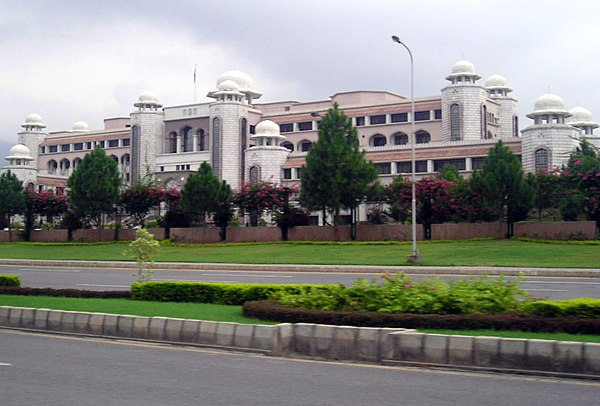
[[142, 249]]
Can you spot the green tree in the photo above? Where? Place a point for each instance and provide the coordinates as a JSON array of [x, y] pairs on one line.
[[336, 174], [12, 198], [142, 249], [94, 187], [204, 195], [503, 187]]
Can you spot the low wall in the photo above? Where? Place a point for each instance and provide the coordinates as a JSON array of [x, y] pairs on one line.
[[462, 231], [557, 230], [361, 344], [14, 236]]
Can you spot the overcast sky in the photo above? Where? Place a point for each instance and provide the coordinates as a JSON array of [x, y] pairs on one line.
[[88, 60]]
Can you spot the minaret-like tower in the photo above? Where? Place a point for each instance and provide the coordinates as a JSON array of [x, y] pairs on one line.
[[229, 126], [548, 143], [508, 114], [20, 162], [147, 133], [265, 158], [463, 105], [582, 118], [33, 135]]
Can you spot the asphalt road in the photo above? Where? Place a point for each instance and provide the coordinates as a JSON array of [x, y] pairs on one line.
[[121, 279], [41, 369]]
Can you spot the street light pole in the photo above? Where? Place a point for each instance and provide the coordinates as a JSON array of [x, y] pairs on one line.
[[415, 258]]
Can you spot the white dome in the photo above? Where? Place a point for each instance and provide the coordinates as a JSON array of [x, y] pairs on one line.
[[267, 127], [34, 120], [20, 151], [148, 97], [463, 67], [580, 115], [81, 126], [550, 102], [229, 86], [243, 80], [495, 81]]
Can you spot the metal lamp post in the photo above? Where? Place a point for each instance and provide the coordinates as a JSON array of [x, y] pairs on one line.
[[415, 251]]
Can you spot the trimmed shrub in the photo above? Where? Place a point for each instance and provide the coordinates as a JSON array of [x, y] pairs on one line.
[[273, 311], [214, 292], [10, 280], [109, 294], [584, 307]]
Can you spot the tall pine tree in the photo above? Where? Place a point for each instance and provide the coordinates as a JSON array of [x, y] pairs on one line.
[[336, 174]]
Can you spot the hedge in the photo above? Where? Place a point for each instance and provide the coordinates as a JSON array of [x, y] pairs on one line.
[[581, 307], [213, 292], [273, 311], [109, 294], [10, 280]]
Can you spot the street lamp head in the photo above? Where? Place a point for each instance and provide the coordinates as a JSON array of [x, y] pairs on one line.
[[396, 39]]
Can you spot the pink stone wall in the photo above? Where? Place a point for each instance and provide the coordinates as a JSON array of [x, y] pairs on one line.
[[557, 230], [465, 231]]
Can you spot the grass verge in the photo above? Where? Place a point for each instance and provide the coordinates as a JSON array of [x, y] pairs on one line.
[[487, 252], [519, 334], [197, 311]]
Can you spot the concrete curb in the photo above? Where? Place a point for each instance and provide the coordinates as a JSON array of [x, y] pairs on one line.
[[345, 343], [421, 270]]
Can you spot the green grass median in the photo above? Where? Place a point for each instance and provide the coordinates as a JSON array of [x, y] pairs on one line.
[[488, 252]]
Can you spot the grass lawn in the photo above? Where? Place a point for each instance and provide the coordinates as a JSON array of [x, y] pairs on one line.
[[489, 252], [222, 313], [197, 311]]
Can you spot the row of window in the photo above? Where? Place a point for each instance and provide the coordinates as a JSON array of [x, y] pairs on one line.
[[399, 138], [64, 166], [81, 146]]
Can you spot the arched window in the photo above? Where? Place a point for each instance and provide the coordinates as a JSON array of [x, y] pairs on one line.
[[52, 167], [455, 124], [378, 140], [541, 160], [188, 140], [288, 145], [515, 126], [243, 145], [483, 121], [30, 187], [400, 139], [305, 146], [65, 165], [76, 163], [422, 137], [254, 174], [171, 146], [202, 140]]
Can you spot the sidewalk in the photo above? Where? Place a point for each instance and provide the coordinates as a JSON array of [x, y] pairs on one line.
[[411, 270]]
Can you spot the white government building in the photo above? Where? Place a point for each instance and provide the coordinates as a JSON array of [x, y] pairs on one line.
[[244, 140]]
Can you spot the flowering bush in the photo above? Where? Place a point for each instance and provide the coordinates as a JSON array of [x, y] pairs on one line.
[[400, 294], [138, 200], [47, 203]]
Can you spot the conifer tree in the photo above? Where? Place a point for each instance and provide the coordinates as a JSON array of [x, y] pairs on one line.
[[336, 174], [12, 198]]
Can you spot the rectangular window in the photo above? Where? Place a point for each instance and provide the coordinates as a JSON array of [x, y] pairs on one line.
[[305, 126], [404, 167], [162, 168], [438, 114], [477, 163], [78, 146], [286, 128], [379, 119], [113, 143], [421, 166], [252, 129], [88, 145], [100, 143], [125, 142], [399, 118], [65, 147], [298, 173], [360, 121], [384, 168], [439, 164], [422, 115], [42, 150], [287, 173], [53, 148]]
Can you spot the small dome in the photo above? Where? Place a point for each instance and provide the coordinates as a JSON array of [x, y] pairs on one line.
[[267, 127], [463, 67], [81, 126], [580, 115], [20, 151], [243, 80], [550, 102], [496, 81], [34, 120], [229, 86], [148, 97]]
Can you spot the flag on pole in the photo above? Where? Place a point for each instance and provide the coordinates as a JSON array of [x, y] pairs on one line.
[[195, 72]]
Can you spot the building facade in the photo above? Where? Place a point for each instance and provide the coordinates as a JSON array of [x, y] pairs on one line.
[[245, 140]]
